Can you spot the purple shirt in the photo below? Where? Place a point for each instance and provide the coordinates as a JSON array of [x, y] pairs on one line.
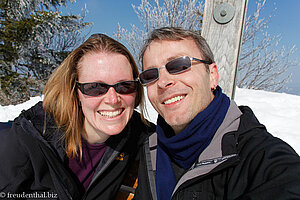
[[91, 156]]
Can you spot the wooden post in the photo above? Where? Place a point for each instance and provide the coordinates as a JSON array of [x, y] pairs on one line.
[[222, 27]]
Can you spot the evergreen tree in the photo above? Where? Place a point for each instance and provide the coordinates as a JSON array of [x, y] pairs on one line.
[[34, 39]]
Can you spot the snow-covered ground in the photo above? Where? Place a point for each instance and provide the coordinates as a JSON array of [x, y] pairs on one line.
[[279, 112]]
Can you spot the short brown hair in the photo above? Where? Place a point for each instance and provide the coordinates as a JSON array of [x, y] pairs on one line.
[[61, 98], [177, 33]]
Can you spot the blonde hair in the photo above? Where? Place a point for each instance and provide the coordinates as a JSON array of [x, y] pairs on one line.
[[61, 98]]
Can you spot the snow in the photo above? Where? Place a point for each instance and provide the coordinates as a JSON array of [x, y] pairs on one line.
[[279, 112], [12, 111]]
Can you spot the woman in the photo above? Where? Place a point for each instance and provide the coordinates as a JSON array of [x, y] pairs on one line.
[[81, 141]]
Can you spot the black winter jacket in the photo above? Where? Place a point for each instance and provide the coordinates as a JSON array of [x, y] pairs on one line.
[[35, 163], [243, 161]]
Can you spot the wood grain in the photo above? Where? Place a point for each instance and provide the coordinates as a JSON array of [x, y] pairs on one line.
[[225, 40]]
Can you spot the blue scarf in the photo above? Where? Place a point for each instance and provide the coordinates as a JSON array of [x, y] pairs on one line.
[[185, 147]]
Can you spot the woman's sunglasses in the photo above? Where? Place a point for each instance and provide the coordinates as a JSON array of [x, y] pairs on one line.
[[97, 88], [175, 66]]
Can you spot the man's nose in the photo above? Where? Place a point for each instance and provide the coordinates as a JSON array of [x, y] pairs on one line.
[[165, 79]]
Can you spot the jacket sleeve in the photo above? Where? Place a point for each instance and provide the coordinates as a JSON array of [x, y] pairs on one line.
[[15, 166], [271, 168]]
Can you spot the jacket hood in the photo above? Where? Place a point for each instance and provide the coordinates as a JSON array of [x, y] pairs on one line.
[[33, 121], [250, 121], [36, 116]]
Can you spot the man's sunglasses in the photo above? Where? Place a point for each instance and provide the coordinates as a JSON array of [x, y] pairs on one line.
[[175, 66], [97, 88]]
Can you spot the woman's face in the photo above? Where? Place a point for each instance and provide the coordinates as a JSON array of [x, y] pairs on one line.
[[107, 114]]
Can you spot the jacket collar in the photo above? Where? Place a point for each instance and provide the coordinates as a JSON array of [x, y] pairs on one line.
[[222, 147]]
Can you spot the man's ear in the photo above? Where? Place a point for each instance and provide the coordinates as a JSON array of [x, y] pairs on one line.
[[213, 75]]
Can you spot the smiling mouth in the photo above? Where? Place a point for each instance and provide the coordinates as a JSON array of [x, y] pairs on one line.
[[173, 100], [111, 114]]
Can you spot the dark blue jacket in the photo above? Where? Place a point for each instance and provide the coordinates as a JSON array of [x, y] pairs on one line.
[[5, 125], [33, 162]]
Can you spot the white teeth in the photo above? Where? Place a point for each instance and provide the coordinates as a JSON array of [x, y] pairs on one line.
[[110, 114], [174, 99]]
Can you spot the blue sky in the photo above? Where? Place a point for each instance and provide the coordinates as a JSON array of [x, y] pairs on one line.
[[106, 14]]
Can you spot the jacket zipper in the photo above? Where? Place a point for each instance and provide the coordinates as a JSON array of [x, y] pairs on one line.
[[212, 161]]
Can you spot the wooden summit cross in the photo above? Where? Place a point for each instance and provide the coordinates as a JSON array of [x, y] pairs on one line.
[[222, 28]]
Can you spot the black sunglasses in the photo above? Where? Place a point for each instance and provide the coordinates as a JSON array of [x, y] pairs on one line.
[[97, 88], [175, 66]]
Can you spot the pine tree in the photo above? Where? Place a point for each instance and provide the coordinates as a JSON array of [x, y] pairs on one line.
[[34, 39]]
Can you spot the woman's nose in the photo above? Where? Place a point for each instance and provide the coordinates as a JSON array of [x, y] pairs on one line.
[[112, 96]]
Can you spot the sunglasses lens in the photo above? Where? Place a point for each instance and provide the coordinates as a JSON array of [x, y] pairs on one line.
[[173, 67], [148, 75], [178, 65], [94, 89], [126, 87]]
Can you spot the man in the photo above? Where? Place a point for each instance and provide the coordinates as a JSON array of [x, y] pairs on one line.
[[205, 146]]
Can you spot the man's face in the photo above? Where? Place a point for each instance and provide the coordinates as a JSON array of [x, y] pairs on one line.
[[178, 98]]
